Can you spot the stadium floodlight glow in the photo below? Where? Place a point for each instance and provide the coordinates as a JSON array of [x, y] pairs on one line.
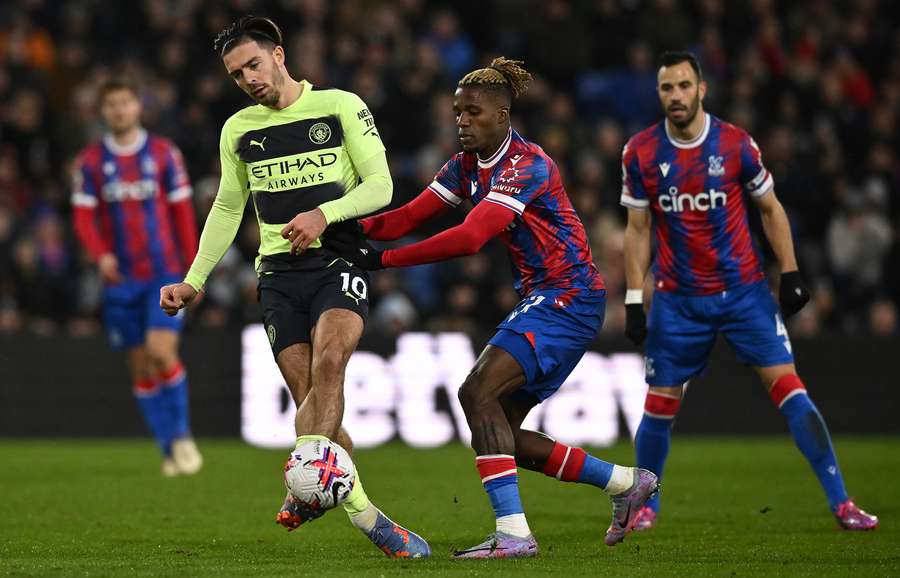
[[412, 395]]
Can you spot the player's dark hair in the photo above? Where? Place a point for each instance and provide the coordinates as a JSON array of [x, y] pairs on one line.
[[117, 84], [501, 74], [247, 28], [673, 57]]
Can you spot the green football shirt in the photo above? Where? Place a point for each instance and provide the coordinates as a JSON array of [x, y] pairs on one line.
[[291, 160]]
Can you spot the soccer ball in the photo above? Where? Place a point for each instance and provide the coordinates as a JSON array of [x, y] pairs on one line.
[[320, 474]]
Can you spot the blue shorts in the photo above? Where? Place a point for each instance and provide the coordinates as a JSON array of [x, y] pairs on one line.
[[547, 334], [131, 307], [682, 330]]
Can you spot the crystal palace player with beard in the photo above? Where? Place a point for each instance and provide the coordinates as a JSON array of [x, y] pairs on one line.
[[695, 173], [133, 215], [517, 196]]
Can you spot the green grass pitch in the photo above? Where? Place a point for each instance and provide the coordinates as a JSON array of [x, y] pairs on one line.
[[731, 507]]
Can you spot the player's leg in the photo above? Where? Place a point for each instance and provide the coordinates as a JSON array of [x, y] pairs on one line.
[[148, 395], [811, 436], [652, 441], [334, 338], [337, 308], [679, 340], [628, 488], [161, 338], [496, 375], [125, 319], [758, 337], [166, 365], [538, 452], [294, 362]]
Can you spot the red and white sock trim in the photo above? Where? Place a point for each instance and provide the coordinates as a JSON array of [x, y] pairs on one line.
[[495, 466], [173, 375], [145, 387], [565, 463], [661, 405], [786, 387]]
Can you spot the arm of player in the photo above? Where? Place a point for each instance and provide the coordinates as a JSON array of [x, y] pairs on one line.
[[404, 220], [637, 249], [220, 228], [637, 263], [778, 230], [792, 295], [373, 193], [485, 221], [366, 152], [84, 215]]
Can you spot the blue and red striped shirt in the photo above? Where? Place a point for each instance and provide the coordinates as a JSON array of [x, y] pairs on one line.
[[696, 191], [135, 202], [547, 242]]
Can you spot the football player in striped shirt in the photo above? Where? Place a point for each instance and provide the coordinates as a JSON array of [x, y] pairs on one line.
[[518, 197], [134, 217], [694, 176]]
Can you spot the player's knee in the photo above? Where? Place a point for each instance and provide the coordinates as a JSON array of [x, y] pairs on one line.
[[160, 359], [329, 362], [472, 394]]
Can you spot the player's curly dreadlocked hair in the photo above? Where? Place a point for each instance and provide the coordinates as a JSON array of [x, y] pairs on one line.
[[258, 28], [501, 73]]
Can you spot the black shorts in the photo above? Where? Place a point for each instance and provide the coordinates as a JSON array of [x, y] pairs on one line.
[[292, 301]]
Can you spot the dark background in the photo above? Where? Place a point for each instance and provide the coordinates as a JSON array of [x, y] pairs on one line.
[[59, 387]]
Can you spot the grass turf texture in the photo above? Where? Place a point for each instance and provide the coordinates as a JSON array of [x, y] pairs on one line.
[[731, 507]]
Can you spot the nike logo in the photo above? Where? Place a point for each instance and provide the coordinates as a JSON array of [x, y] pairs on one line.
[[259, 143]]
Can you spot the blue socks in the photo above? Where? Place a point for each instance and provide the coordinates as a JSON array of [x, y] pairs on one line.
[[175, 393], [149, 397]]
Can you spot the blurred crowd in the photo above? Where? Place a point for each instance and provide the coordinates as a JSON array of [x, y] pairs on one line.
[[816, 82]]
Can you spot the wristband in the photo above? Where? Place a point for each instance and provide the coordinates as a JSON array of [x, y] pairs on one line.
[[633, 296]]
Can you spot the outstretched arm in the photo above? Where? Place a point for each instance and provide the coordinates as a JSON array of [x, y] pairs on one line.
[[486, 220], [403, 220]]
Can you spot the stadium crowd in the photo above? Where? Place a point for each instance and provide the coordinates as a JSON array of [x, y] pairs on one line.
[[817, 84]]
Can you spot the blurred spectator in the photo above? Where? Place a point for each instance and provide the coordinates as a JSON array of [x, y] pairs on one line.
[[858, 241]]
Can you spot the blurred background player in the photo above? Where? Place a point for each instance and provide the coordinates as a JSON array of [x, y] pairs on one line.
[[518, 196], [312, 157], [133, 215], [692, 171]]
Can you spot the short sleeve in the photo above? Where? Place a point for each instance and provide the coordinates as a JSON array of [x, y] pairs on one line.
[[360, 135], [755, 177], [522, 179], [634, 195], [234, 171], [177, 183], [447, 183], [84, 188]]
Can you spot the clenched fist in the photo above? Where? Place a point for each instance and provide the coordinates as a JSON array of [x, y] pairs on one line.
[[172, 298]]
